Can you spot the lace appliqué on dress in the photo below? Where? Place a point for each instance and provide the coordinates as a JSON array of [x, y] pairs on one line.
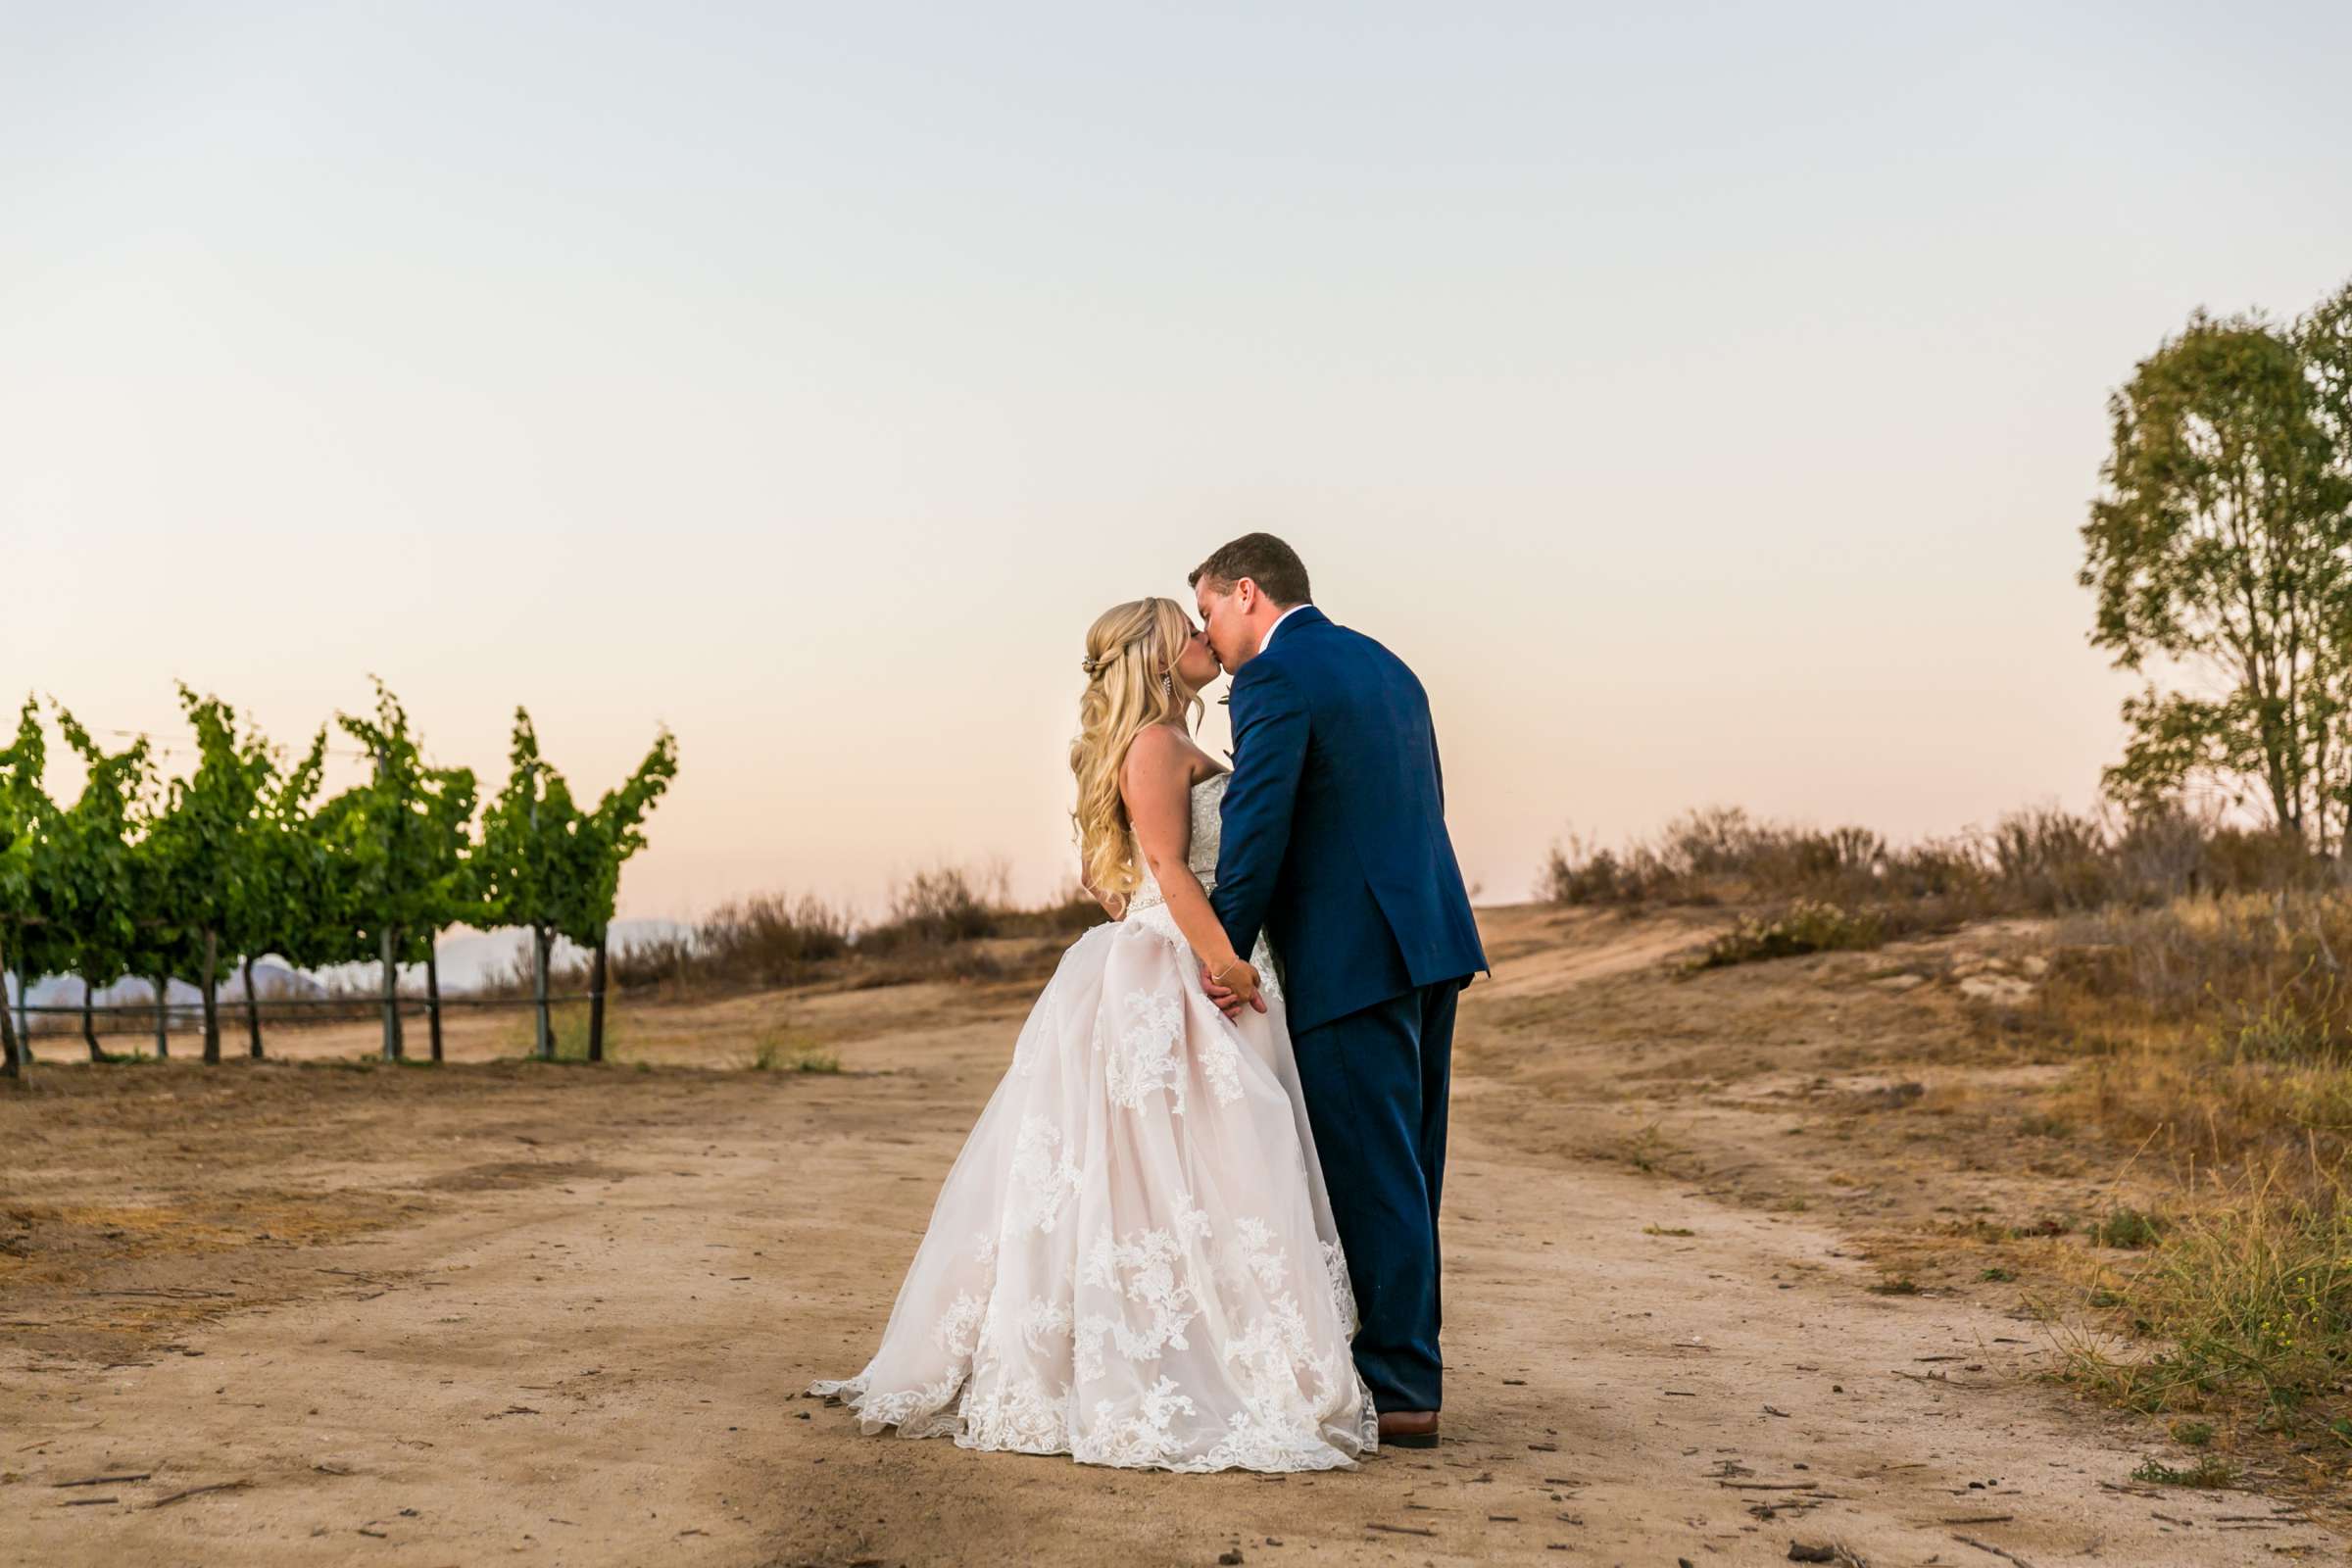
[[1048, 1178], [1147, 1057]]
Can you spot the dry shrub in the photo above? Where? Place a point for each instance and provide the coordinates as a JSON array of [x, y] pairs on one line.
[[767, 940], [940, 908], [2036, 862], [2052, 859], [954, 923], [1805, 927], [1721, 855], [946, 922], [652, 961]]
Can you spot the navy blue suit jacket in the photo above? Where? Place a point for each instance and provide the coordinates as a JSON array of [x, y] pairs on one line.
[[1335, 839]]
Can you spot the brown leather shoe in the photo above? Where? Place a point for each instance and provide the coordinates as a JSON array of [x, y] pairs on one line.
[[1408, 1429]]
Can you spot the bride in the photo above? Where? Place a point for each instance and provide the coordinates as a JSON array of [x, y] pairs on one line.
[[1132, 1260]]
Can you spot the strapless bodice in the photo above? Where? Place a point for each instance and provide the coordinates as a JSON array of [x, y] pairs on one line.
[[1208, 826]]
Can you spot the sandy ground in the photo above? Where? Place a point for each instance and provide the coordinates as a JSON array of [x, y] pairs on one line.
[[500, 1311]]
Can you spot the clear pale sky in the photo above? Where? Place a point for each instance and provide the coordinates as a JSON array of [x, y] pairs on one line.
[[1703, 399]]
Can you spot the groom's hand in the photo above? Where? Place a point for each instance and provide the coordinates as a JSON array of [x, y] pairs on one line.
[[1228, 1001]]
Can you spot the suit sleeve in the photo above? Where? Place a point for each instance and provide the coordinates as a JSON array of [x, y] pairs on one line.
[[1269, 753]]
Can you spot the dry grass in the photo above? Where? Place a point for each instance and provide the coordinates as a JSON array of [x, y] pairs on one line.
[[2216, 1040], [2217, 1030], [568, 1022], [785, 1049], [2241, 1309]]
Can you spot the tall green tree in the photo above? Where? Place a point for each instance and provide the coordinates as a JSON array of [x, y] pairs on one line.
[[2220, 551], [202, 842], [2324, 337], [92, 900]]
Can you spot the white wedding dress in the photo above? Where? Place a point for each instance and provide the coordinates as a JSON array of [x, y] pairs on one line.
[[1132, 1260]]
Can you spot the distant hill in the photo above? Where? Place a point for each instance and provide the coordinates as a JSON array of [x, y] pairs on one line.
[[468, 960], [271, 979]]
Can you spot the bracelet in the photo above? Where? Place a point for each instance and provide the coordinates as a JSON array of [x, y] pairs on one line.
[[1220, 975]]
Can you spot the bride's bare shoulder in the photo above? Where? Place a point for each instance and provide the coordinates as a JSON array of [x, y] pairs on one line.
[[1157, 751], [1164, 757]]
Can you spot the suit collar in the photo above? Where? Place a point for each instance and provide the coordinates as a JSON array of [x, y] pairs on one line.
[[1297, 619]]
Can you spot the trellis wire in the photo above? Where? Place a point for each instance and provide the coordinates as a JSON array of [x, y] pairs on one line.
[[190, 1014]]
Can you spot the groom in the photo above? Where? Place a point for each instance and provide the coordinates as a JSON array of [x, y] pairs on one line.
[[1334, 845]]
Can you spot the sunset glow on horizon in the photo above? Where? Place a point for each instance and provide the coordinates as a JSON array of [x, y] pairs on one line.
[[1704, 404]]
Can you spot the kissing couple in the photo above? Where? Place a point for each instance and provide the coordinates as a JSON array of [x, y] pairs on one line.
[[1195, 1227]]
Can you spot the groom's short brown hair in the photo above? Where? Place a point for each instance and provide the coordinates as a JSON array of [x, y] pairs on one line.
[[1262, 558]]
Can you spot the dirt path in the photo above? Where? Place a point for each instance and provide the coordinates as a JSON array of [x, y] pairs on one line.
[[580, 1338]]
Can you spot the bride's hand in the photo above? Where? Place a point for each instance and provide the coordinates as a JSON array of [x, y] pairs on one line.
[[1235, 987]]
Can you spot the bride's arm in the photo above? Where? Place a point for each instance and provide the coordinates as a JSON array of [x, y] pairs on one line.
[[1156, 785]]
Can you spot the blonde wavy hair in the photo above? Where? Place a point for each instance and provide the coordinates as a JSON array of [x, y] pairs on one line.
[[1131, 682]]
